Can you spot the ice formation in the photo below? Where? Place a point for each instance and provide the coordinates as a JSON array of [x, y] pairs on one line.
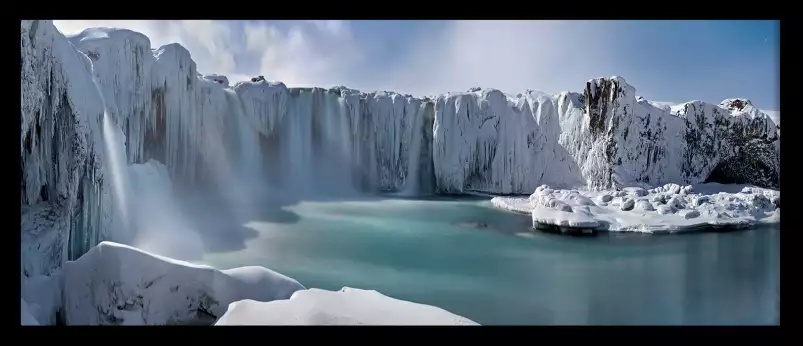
[[668, 208], [605, 138], [116, 284], [348, 306]]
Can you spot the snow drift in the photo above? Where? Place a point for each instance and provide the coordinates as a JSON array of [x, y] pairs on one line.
[[348, 306], [115, 284]]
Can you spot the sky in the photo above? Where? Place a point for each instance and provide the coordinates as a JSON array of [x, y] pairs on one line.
[[668, 61]]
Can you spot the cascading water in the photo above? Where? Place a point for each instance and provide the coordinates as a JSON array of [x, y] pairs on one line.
[[315, 145], [412, 186], [250, 156], [115, 152]]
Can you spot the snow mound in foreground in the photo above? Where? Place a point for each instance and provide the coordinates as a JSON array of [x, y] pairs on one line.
[[668, 208], [26, 318], [41, 296], [115, 284], [349, 306]]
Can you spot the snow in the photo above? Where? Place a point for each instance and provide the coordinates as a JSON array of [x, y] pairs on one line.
[[115, 284], [482, 140], [348, 306], [123, 285], [488, 142], [42, 297], [669, 208], [26, 318]]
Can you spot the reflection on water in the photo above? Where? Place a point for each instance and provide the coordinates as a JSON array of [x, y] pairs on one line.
[[481, 263]]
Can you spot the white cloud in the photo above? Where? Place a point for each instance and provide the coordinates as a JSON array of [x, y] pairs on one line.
[[774, 115], [509, 55]]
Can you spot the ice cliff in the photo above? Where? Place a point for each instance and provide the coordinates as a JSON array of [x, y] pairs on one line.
[[605, 138], [105, 95]]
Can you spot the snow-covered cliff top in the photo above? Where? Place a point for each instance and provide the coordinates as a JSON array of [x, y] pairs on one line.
[[113, 36]]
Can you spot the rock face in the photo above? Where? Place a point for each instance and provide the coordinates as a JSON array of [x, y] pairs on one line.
[[337, 139]]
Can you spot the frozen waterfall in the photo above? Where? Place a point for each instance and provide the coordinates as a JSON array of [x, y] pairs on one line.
[[96, 103]]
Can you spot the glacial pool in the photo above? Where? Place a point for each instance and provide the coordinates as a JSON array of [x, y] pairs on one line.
[[462, 255]]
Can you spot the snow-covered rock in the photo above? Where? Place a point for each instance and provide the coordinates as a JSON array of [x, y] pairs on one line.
[[348, 306], [115, 284], [64, 183], [669, 208]]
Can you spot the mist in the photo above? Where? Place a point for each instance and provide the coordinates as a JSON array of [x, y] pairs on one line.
[[246, 175]]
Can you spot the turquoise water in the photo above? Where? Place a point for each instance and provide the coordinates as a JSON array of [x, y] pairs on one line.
[[437, 252]]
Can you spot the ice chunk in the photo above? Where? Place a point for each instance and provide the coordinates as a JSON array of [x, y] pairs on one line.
[[644, 205], [627, 204]]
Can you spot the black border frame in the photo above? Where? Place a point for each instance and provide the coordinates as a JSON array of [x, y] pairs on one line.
[[555, 10]]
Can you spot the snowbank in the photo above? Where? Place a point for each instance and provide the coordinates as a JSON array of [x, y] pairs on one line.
[[115, 284], [669, 208], [26, 318], [348, 306], [42, 297]]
